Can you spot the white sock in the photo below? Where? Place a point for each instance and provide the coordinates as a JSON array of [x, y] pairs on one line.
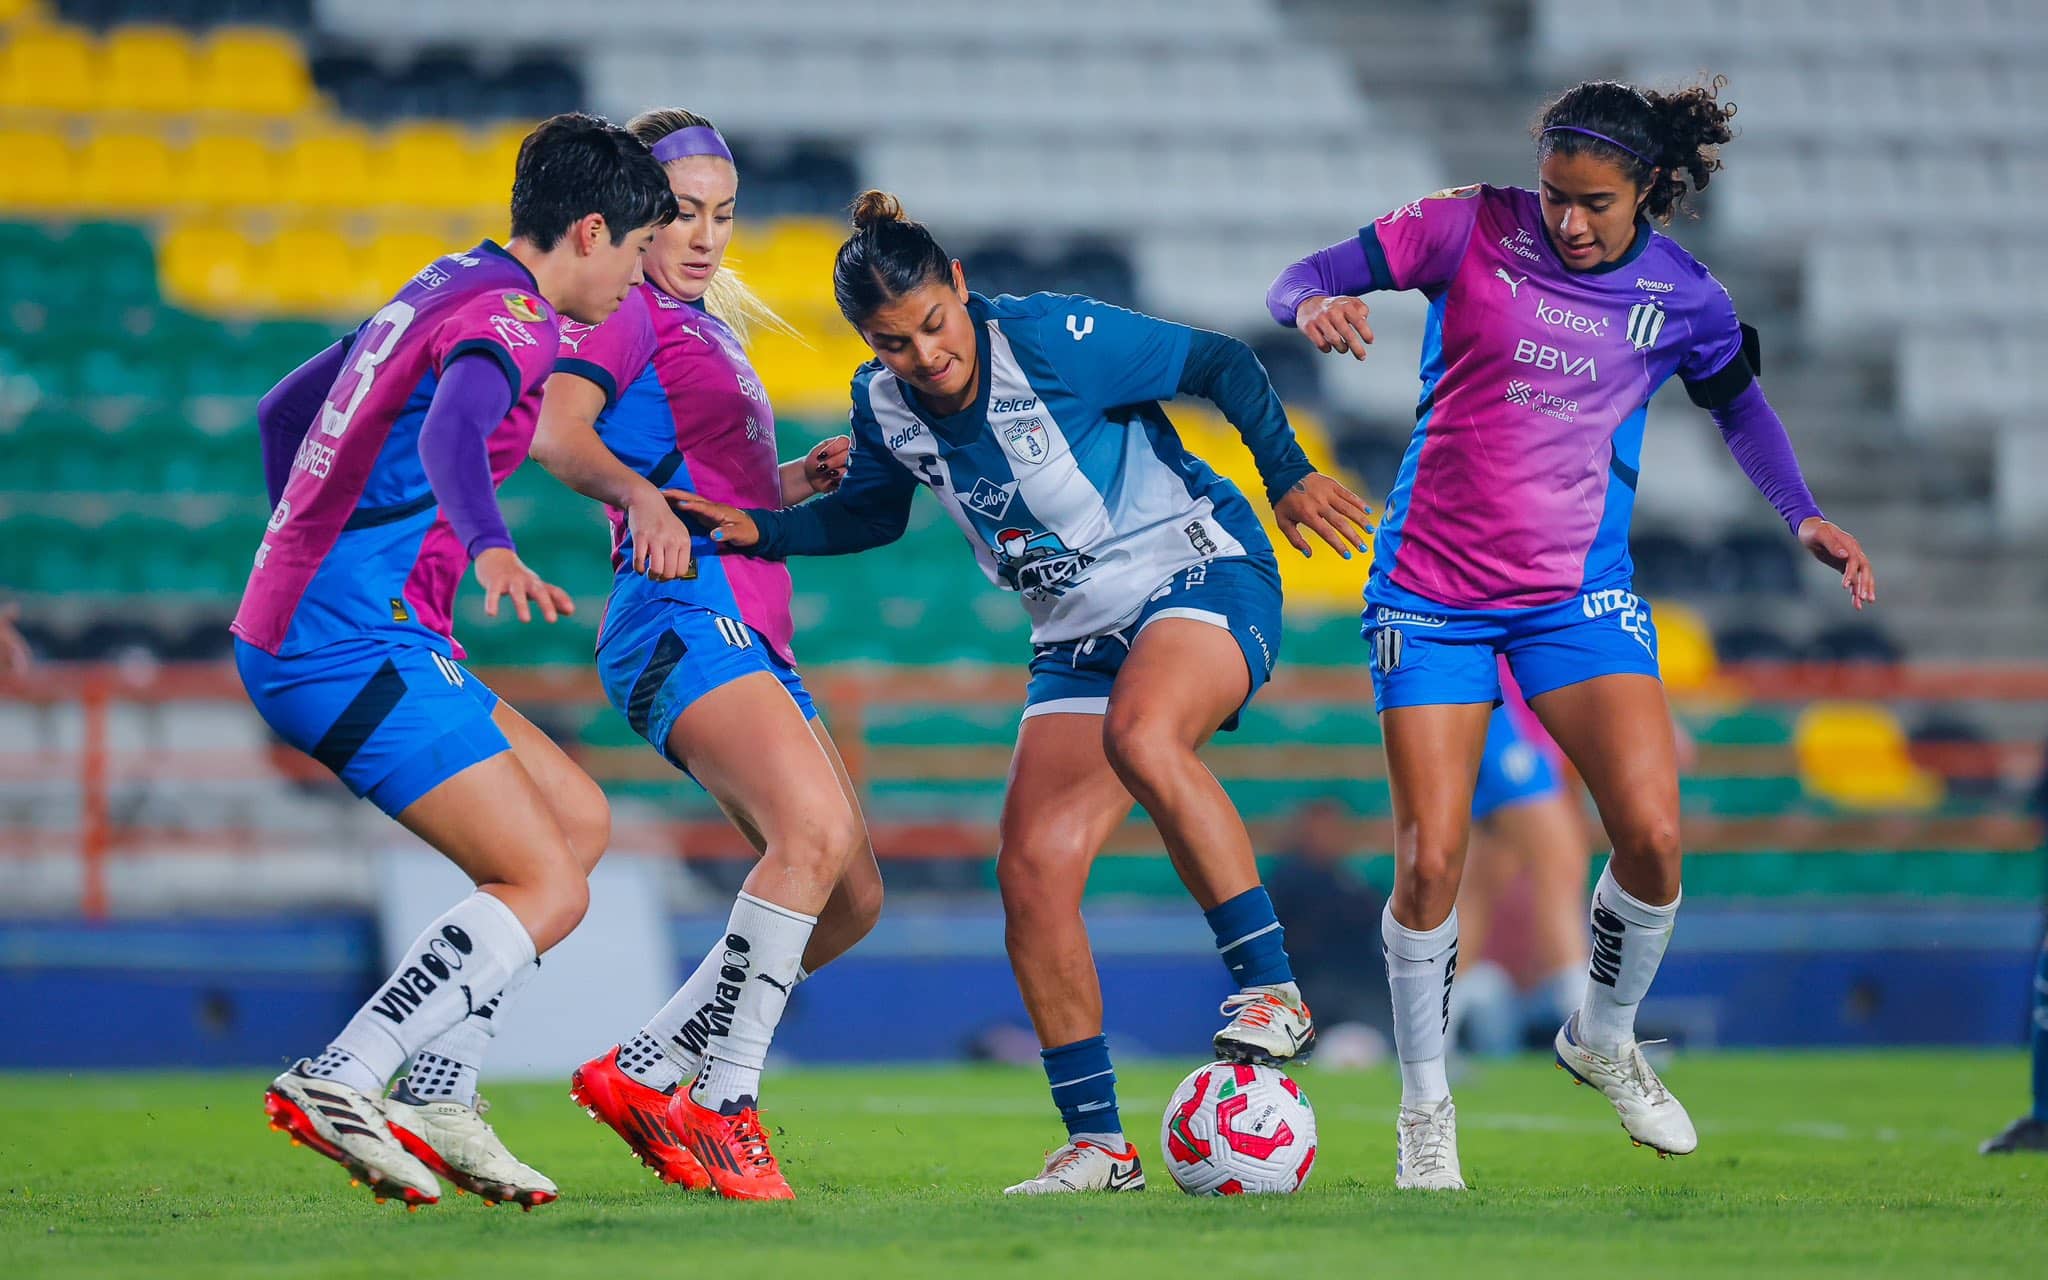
[[758, 962], [1420, 967], [446, 1070], [1629, 937], [460, 963], [1107, 1141], [670, 1048]]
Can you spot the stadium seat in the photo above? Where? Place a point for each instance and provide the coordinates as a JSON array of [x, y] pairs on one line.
[[207, 266], [1754, 644], [126, 172], [308, 270], [233, 169], [51, 68], [1854, 642], [328, 167], [1685, 648], [114, 260], [255, 70], [148, 68], [1853, 754], [40, 173], [428, 166]]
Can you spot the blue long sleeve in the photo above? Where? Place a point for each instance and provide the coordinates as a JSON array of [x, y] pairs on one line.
[[286, 412], [870, 508], [1224, 371]]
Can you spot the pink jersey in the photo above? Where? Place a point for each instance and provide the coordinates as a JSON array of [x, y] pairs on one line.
[[1518, 484], [685, 409], [357, 546]]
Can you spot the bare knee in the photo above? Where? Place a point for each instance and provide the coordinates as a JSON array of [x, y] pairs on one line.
[[1036, 877], [821, 847], [863, 905], [1647, 855], [1143, 748], [1427, 868], [557, 896], [586, 822]]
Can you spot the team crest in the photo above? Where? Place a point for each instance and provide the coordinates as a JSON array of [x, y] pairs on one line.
[[523, 306], [1645, 322], [1028, 440], [1038, 565]]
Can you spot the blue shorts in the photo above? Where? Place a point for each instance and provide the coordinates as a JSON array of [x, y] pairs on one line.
[[392, 721], [1240, 595], [1424, 654], [658, 659], [1513, 771]]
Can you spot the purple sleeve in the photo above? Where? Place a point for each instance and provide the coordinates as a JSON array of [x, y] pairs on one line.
[[472, 399], [1757, 439], [1341, 269], [286, 413]]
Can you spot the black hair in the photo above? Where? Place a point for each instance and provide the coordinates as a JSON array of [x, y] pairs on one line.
[[1677, 135], [574, 165], [886, 257]]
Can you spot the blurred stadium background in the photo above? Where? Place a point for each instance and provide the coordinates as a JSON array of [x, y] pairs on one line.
[[196, 194]]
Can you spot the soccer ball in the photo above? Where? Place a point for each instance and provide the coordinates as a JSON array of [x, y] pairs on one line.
[[1234, 1129]]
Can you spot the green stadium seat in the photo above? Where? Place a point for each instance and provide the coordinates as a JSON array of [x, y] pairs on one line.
[[111, 259]]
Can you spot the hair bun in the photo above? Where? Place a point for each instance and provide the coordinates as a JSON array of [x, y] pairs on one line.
[[871, 208]]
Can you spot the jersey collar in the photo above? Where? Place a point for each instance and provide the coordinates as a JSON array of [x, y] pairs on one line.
[[493, 247], [1644, 232]]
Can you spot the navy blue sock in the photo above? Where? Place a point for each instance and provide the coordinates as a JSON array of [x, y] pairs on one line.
[[1083, 1085], [1250, 939], [2041, 1036]]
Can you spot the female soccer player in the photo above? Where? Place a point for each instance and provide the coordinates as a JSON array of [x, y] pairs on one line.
[[383, 455], [1507, 532], [1153, 593], [695, 653]]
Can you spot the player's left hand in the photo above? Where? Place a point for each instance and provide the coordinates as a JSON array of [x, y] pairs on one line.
[[825, 464], [1326, 507], [1837, 548]]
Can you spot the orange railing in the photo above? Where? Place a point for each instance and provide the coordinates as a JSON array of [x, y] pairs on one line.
[[851, 693]]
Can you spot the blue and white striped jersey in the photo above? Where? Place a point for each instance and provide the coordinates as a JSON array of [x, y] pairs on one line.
[[1066, 478]]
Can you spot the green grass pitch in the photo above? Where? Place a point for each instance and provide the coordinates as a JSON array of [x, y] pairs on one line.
[[1810, 1165]]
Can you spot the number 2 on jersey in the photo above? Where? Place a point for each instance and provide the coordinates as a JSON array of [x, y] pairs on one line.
[[371, 349]]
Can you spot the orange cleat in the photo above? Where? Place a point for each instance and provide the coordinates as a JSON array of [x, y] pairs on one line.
[[732, 1150], [639, 1115]]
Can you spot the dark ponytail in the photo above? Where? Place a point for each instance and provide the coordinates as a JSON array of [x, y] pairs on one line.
[[886, 257], [1677, 134]]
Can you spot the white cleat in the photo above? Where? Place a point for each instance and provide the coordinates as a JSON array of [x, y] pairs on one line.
[[350, 1129], [1085, 1165], [1652, 1117], [454, 1141], [1426, 1149], [1266, 1027]]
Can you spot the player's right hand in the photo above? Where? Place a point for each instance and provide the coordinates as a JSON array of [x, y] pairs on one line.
[[1335, 324], [661, 541], [502, 573], [729, 525]]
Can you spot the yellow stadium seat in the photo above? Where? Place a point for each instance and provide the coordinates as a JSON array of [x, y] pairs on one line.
[[396, 256], [54, 68], [1685, 648], [146, 68], [808, 380], [254, 70], [494, 156], [12, 11], [207, 267], [39, 172], [789, 262], [428, 166], [1324, 581], [307, 270], [127, 172], [327, 167], [230, 170], [1853, 754]]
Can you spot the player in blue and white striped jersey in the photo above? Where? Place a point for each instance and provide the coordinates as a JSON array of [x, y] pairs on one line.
[[1154, 599]]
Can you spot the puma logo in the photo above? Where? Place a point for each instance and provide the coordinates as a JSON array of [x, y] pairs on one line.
[[1514, 283]]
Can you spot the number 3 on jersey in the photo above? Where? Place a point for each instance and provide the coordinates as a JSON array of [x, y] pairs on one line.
[[378, 338]]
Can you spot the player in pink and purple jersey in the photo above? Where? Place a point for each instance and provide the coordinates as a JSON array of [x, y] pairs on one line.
[[1554, 316], [696, 653], [383, 455]]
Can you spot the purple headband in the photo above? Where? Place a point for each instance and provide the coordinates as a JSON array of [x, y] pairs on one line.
[[698, 140], [1572, 128]]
